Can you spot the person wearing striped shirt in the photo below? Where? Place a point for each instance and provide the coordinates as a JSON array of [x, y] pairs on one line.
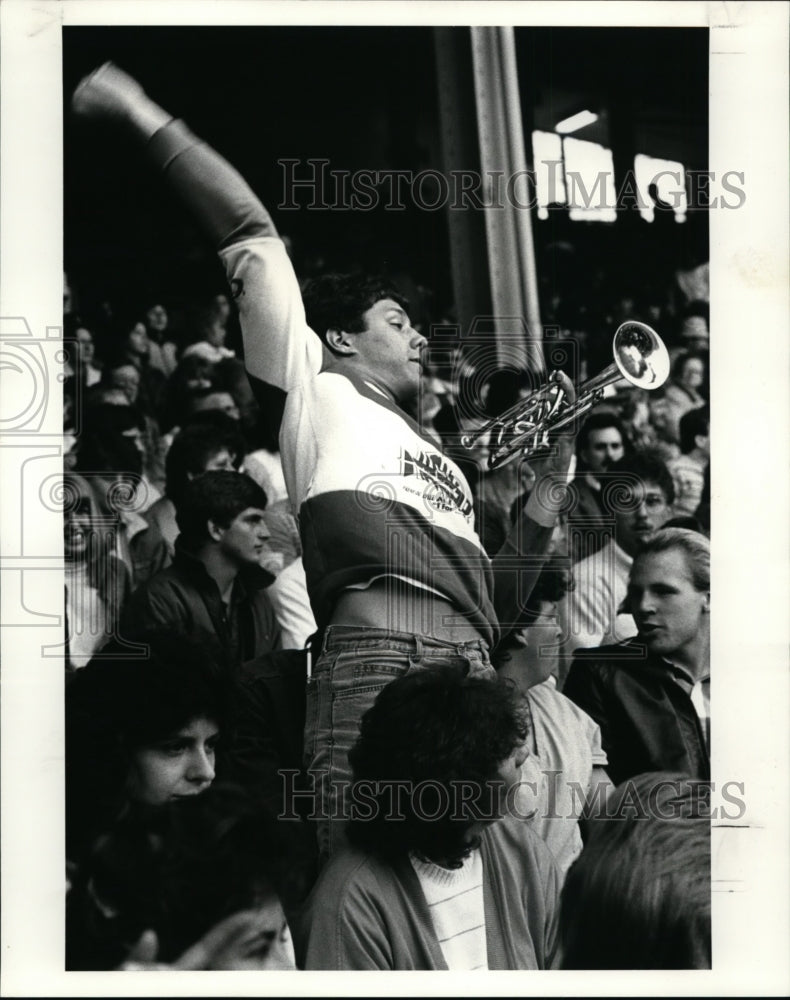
[[440, 872]]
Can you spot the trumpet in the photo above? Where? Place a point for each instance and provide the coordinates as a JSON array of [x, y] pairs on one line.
[[640, 357]]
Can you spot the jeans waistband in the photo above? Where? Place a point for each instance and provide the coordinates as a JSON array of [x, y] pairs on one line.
[[408, 642]]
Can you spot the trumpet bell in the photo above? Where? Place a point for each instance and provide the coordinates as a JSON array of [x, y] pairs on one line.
[[640, 355]]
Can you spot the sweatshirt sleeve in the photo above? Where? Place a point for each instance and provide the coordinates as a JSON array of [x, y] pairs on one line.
[[279, 347]]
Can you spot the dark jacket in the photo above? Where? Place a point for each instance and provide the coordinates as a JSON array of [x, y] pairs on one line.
[[647, 720], [269, 730], [184, 598]]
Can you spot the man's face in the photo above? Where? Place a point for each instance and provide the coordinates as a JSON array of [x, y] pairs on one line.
[[244, 540], [390, 348], [603, 446], [648, 511], [670, 613]]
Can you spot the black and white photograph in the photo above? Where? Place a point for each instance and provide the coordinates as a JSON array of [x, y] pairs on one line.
[[375, 500]]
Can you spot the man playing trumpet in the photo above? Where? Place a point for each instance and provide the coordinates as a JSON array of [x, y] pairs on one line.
[[397, 576]]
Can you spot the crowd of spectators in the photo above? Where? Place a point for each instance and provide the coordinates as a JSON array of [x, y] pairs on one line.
[[177, 524], [478, 788]]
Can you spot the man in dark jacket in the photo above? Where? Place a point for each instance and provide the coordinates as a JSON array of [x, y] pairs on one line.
[[651, 695], [215, 586]]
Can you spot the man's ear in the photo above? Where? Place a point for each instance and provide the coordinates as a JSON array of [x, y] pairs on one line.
[[340, 342], [706, 604], [216, 531]]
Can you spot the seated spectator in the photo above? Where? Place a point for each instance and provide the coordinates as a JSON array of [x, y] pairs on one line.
[[133, 347], [209, 342], [207, 444], [110, 461], [694, 329], [688, 471], [196, 883], [215, 586], [191, 373], [96, 580], [599, 444], [565, 765], [162, 349], [142, 725], [664, 430], [640, 493], [124, 376], [211, 400], [449, 883], [83, 364], [651, 695], [639, 895], [682, 390]]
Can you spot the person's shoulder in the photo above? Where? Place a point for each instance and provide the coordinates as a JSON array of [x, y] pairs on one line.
[[553, 704], [352, 874], [604, 664], [516, 843], [616, 652], [163, 508], [165, 586], [591, 565]]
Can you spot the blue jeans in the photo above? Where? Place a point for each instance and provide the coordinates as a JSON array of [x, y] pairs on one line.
[[354, 665]]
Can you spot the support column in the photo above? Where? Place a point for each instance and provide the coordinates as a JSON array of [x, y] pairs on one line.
[[511, 253]]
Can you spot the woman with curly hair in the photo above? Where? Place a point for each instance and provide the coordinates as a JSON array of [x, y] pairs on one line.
[[437, 876]]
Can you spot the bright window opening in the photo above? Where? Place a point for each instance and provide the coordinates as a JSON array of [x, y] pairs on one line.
[[670, 180], [589, 179], [547, 157]]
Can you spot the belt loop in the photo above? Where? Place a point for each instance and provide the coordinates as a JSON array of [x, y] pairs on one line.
[[418, 647]]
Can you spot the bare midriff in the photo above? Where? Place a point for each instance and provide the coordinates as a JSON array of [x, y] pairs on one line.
[[397, 607]]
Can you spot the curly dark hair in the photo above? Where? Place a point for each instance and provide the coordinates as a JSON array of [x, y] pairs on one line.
[[196, 443], [432, 728], [339, 301]]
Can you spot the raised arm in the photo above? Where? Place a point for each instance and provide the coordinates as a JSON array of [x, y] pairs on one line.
[[278, 346], [215, 193], [518, 563]]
